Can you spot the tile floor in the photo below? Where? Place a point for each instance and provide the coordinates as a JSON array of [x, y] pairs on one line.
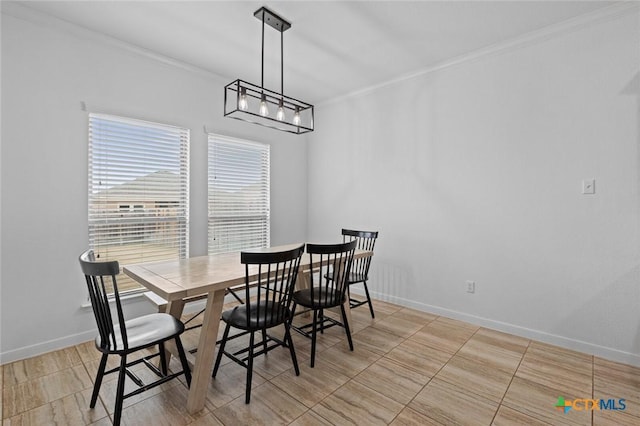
[[408, 368]]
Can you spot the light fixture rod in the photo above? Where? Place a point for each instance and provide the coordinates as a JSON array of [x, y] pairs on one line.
[[240, 95], [262, 69]]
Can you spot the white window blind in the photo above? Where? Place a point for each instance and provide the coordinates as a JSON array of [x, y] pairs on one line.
[[239, 196], [138, 191]]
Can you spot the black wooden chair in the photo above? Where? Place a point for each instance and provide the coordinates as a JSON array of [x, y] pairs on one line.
[[119, 337], [366, 240], [268, 307], [327, 289]]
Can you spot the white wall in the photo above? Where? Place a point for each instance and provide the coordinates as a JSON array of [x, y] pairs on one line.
[[474, 172], [48, 69]]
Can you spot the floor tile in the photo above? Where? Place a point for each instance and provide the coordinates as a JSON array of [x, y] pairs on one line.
[[407, 368], [418, 357], [356, 404], [69, 410], [508, 417], [208, 420], [274, 363], [409, 417], [490, 354], [312, 385], [346, 362], [558, 368], [310, 418], [393, 380], [377, 340], [475, 377], [538, 400], [39, 366], [380, 308], [612, 380], [507, 342], [443, 336], [415, 316], [229, 384], [449, 404], [36, 392], [87, 351], [109, 387], [324, 340], [398, 326], [457, 323], [614, 418], [269, 406], [165, 408]]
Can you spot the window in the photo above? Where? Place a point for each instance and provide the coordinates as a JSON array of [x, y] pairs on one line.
[[238, 194], [138, 191]]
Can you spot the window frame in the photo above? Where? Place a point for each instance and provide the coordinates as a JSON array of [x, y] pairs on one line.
[[133, 165], [219, 145]]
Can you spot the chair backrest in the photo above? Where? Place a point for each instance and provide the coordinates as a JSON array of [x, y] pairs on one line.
[[277, 274], [329, 282], [101, 277], [366, 240]]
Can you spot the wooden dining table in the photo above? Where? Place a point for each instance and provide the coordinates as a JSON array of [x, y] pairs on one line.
[[179, 280]]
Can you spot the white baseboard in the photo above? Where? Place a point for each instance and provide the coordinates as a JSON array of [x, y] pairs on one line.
[[541, 336], [44, 347]]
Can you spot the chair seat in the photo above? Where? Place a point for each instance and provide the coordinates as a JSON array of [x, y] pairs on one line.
[[303, 297], [144, 331], [262, 315]]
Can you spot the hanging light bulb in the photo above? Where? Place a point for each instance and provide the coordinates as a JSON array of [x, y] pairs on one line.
[[264, 109], [243, 104], [257, 104], [296, 117], [280, 115]]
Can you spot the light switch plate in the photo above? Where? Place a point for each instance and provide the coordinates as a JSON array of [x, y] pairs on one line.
[[589, 186]]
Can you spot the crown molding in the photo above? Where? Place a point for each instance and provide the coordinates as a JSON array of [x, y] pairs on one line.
[[21, 10], [598, 16]]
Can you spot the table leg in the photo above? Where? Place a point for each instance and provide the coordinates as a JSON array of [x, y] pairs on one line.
[[201, 374], [174, 308], [347, 311], [303, 282]]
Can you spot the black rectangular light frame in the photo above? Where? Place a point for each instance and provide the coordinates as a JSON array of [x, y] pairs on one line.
[[254, 94]]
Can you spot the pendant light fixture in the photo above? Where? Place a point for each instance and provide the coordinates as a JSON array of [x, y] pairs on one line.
[[256, 104]]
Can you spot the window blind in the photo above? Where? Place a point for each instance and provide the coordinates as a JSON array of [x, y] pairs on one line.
[[239, 194], [138, 191]]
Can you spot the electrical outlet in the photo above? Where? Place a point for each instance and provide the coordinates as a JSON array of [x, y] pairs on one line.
[[471, 286]]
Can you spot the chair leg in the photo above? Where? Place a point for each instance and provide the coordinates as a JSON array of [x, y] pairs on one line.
[[221, 349], [346, 327], [183, 361], [293, 313], [289, 340], [99, 376], [366, 291], [247, 392], [117, 413], [313, 338], [163, 358], [264, 340], [233, 293], [321, 320]]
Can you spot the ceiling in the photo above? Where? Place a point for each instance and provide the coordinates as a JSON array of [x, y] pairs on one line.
[[332, 48]]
